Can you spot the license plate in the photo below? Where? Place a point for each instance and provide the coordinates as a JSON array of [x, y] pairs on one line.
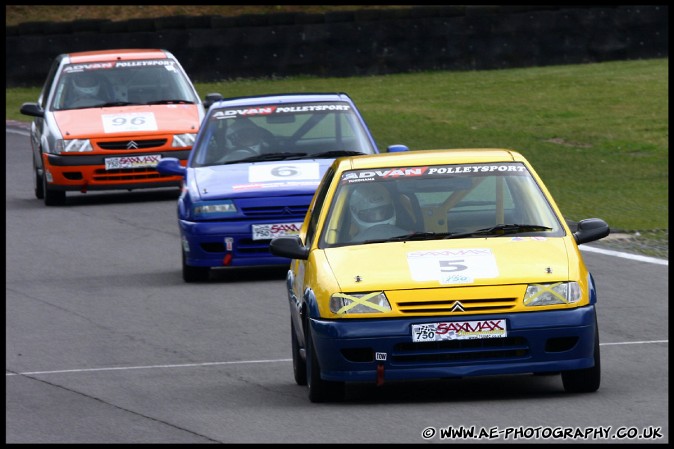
[[459, 330], [269, 231], [149, 160]]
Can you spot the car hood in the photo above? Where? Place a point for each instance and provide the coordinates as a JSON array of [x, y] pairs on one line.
[[461, 262], [128, 120], [277, 178]]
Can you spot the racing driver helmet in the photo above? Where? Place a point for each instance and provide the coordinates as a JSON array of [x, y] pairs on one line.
[[245, 135], [371, 205], [86, 84]]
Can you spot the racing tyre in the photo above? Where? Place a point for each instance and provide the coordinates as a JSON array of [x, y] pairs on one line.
[[194, 274], [319, 390], [52, 197], [585, 380], [299, 364], [37, 182]]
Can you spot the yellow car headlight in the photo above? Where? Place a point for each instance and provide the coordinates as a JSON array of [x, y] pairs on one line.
[[374, 302], [552, 294]]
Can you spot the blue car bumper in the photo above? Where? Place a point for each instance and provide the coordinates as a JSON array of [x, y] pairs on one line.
[[537, 342], [219, 244]]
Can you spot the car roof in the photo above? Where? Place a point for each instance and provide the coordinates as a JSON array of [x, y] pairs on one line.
[[282, 98], [109, 55], [429, 157]]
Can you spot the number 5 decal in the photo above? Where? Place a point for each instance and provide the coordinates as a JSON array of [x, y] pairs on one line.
[[450, 266]]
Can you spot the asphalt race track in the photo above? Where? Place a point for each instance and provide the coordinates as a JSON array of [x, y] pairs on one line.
[[106, 344]]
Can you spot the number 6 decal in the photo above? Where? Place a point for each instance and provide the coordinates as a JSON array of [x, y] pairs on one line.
[[284, 170], [137, 121]]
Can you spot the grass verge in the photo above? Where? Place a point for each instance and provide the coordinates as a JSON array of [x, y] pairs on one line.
[[598, 134]]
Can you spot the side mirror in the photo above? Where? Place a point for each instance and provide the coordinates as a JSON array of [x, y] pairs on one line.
[[289, 246], [398, 148], [32, 109], [591, 229], [211, 98], [171, 166]]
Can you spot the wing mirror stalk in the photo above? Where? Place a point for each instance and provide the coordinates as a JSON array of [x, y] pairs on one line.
[[289, 246]]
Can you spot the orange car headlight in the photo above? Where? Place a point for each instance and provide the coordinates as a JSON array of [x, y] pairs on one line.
[[73, 146]]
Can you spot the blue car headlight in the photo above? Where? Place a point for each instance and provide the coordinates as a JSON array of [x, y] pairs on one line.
[[211, 210]]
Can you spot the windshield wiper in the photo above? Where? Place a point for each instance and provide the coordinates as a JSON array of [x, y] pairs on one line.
[[116, 103], [269, 157], [501, 229], [176, 101], [419, 236], [333, 154], [497, 230]]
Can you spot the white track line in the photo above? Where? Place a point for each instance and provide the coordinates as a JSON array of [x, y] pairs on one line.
[[242, 362], [609, 252], [186, 365]]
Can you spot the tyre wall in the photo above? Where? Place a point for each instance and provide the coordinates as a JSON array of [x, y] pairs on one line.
[[365, 42]]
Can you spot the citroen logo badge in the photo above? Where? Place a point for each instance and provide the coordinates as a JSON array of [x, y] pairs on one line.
[[457, 307], [131, 145], [287, 211]]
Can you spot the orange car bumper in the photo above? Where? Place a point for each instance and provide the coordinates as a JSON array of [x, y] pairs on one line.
[[88, 172]]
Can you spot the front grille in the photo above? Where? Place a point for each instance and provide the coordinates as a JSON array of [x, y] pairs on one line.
[[131, 144], [461, 350], [358, 354], [250, 246], [560, 344], [243, 246], [470, 306], [276, 211], [458, 300], [127, 174], [213, 247]]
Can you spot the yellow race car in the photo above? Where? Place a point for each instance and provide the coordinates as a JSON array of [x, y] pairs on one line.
[[439, 264]]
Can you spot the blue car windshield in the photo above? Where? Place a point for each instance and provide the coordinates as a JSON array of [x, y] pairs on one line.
[[276, 132]]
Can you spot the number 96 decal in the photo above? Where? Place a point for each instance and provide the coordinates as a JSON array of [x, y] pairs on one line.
[[138, 121]]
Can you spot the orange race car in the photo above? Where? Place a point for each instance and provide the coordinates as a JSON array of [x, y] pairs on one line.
[[105, 118]]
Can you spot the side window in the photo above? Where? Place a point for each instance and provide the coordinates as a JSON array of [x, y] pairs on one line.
[[318, 205], [208, 148], [49, 83]]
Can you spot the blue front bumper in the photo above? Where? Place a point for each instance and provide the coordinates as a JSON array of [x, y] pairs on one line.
[[208, 247], [537, 342]]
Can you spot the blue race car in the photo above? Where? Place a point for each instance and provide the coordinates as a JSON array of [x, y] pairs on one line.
[[253, 170]]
